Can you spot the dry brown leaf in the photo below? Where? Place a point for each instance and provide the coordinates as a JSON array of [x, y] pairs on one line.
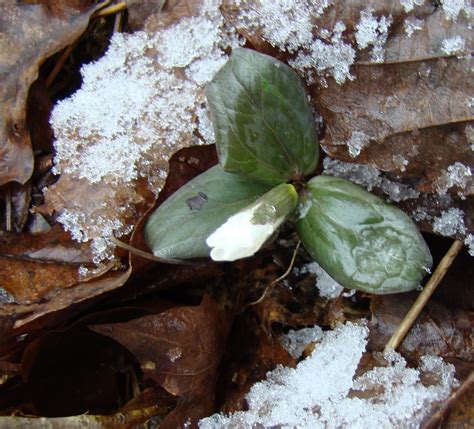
[[399, 112], [33, 266], [180, 349], [29, 34], [22, 322], [438, 331]]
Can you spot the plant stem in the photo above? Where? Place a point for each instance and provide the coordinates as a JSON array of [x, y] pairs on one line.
[[147, 255], [279, 279], [59, 65], [110, 10], [424, 296]]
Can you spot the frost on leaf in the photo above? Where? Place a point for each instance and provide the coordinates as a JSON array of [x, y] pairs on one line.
[[457, 175], [412, 25], [318, 52], [138, 105], [450, 222], [371, 31], [409, 5], [370, 178], [452, 8], [324, 390], [296, 341], [453, 45]]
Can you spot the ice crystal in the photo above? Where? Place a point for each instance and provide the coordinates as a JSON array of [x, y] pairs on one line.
[[371, 31], [323, 390], [333, 57], [138, 105], [411, 25], [328, 287], [409, 5], [369, 177], [6, 297], [469, 132], [453, 45], [451, 222], [469, 242], [284, 24], [290, 26], [458, 175], [452, 8], [356, 143], [296, 341]]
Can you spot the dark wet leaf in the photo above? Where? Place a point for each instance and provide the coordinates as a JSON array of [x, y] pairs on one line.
[[180, 226], [30, 33], [360, 240], [180, 349], [263, 122]]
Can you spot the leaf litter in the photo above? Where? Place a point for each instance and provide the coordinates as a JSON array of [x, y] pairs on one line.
[[95, 199]]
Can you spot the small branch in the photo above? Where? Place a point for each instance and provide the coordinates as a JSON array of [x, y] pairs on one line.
[[59, 65], [126, 419], [111, 10], [437, 417], [8, 208], [279, 279], [147, 255], [424, 296]]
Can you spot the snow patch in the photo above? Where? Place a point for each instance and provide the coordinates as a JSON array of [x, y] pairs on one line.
[[357, 142], [411, 25], [290, 27], [409, 5], [453, 45], [328, 287], [296, 341], [370, 178], [6, 297], [371, 31], [458, 175], [324, 392], [452, 8], [329, 58], [451, 222]]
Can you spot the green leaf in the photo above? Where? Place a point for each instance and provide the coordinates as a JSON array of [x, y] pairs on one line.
[[180, 226], [263, 122], [361, 241]]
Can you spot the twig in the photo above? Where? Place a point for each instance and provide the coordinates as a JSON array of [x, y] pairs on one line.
[[279, 279], [8, 208], [126, 419], [424, 296], [436, 418], [147, 255], [59, 65], [106, 11], [111, 10]]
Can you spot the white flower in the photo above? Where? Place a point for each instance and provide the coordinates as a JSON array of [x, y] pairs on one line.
[[244, 233], [239, 237]]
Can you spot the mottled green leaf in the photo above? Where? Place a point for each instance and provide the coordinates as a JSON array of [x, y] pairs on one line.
[[263, 122], [361, 241], [180, 226]]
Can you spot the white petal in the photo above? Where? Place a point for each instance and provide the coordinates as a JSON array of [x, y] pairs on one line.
[[238, 237]]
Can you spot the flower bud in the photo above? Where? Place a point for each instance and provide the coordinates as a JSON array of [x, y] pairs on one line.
[[244, 233]]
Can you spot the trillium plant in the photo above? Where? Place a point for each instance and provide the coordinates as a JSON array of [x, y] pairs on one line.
[[267, 147]]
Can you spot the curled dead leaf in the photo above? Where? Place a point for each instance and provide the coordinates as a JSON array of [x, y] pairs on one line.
[[180, 349], [29, 33]]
